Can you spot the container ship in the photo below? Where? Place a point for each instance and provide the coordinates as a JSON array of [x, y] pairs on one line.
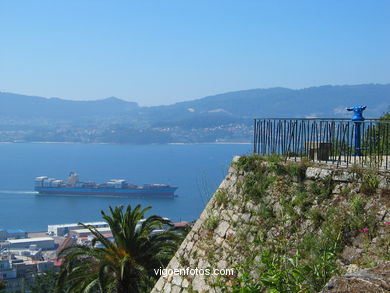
[[73, 185]]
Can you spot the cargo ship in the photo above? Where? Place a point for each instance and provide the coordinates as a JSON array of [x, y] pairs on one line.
[[73, 185]]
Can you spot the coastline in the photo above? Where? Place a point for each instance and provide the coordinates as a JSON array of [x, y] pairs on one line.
[[113, 143]]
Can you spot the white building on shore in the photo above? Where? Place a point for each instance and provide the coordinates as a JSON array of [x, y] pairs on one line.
[[44, 243], [62, 229]]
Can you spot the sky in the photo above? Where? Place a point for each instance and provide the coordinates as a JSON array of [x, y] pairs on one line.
[[165, 51]]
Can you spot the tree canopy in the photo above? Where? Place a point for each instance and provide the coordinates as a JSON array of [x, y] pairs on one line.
[[125, 264]]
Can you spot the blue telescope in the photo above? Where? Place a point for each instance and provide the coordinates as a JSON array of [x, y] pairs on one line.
[[357, 119]]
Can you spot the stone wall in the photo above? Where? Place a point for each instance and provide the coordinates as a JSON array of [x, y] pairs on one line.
[[226, 230]]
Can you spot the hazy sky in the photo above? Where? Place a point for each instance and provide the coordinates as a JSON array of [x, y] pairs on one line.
[[163, 51]]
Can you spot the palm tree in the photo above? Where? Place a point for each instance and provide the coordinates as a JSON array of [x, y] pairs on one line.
[[125, 265]]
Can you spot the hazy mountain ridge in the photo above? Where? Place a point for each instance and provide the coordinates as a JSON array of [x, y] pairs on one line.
[[16, 105], [283, 102], [222, 117]]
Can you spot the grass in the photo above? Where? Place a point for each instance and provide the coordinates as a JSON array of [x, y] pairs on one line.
[[370, 183], [317, 217], [265, 211], [211, 223], [345, 191], [357, 170], [297, 170], [357, 204], [221, 197], [322, 190], [361, 218]]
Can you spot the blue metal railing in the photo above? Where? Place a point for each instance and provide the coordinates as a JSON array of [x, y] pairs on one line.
[[339, 141]]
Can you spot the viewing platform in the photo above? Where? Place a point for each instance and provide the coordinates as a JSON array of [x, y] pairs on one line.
[[340, 142]]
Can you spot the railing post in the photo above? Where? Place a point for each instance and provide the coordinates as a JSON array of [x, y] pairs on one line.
[[254, 136]]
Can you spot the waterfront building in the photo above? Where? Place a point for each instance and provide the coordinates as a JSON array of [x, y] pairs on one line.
[[79, 233], [12, 234], [62, 229], [16, 234], [44, 243]]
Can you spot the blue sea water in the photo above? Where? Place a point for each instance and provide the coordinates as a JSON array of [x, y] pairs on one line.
[[196, 169]]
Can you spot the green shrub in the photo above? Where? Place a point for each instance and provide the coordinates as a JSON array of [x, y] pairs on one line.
[[249, 163], [274, 158], [303, 199], [265, 211], [316, 217], [221, 197], [333, 229], [346, 191], [320, 269], [370, 183], [322, 190], [360, 218], [211, 223], [281, 273], [256, 184], [297, 169], [357, 204], [357, 170]]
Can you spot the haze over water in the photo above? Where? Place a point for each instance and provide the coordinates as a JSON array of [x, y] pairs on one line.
[[196, 169]]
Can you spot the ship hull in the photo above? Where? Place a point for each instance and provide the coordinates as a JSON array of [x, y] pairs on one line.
[[168, 191]]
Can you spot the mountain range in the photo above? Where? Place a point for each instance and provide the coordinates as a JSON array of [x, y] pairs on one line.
[[223, 117]]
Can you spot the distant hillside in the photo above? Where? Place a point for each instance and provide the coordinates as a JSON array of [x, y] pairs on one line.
[[323, 101], [223, 117], [14, 105]]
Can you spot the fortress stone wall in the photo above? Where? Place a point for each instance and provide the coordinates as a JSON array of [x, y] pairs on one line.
[[226, 232]]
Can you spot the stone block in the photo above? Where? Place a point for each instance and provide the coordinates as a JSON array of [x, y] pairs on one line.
[[246, 217], [185, 283], [222, 228], [174, 263], [177, 280], [317, 173], [167, 288], [370, 280], [198, 283], [176, 289], [343, 176], [189, 246]]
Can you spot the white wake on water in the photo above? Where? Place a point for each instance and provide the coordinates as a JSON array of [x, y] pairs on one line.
[[18, 192]]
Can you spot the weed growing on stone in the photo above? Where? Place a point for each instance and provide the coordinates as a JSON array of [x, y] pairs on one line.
[[345, 191], [221, 197], [211, 223], [370, 183], [316, 217], [322, 190], [297, 169], [357, 170]]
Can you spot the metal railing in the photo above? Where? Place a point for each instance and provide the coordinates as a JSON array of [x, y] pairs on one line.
[[338, 141]]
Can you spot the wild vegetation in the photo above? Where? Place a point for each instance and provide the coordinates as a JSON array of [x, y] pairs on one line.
[[302, 227]]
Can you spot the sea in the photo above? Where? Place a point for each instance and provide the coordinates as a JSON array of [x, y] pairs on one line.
[[196, 169]]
